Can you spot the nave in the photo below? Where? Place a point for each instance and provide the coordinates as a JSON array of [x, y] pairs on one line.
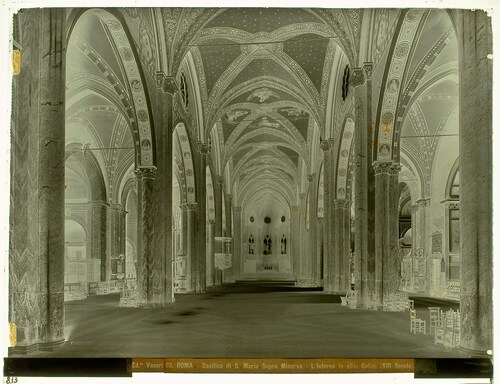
[[249, 320], [164, 154]]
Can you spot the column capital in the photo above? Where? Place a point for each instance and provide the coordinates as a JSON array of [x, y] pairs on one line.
[[325, 145], [395, 168], [189, 206], [453, 204], [341, 203], [202, 147], [310, 177], [388, 167], [236, 209], [220, 179], [423, 202], [302, 196], [381, 167], [229, 197], [357, 77], [145, 173], [116, 206], [166, 83], [368, 70], [211, 221]]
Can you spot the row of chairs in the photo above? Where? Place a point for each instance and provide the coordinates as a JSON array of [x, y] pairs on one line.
[[417, 325], [444, 325], [447, 328]]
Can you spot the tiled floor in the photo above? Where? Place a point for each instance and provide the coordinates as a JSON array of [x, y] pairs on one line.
[[244, 321]]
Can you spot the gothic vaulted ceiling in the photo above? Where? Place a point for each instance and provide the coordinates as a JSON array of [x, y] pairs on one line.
[[98, 102], [264, 76]]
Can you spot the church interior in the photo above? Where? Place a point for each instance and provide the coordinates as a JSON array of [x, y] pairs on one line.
[[251, 182]]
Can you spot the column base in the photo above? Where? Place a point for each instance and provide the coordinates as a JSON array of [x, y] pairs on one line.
[[307, 283], [153, 305], [28, 349]]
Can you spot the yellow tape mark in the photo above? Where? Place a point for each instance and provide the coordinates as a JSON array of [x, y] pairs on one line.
[[12, 334], [16, 62]]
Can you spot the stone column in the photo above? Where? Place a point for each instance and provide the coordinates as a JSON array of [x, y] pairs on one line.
[[36, 242], [218, 191], [191, 264], [320, 222], [201, 222], [414, 240], [313, 209], [341, 245], [422, 238], [328, 195], [145, 252], [184, 233], [210, 254], [295, 241], [309, 274], [162, 194], [116, 238], [364, 189], [387, 276], [476, 276], [237, 244], [229, 207], [98, 214], [227, 273], [302, 244]]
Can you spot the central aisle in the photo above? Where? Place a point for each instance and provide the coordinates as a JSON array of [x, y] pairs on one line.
[[248, 320]]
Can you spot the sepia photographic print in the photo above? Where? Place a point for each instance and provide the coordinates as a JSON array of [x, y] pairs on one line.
[[270, 184]]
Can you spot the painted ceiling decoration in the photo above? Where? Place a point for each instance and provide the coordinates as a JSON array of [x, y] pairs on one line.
[[262, 88], [264, 76]]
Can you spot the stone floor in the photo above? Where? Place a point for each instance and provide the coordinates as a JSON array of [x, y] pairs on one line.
[[244, 321]]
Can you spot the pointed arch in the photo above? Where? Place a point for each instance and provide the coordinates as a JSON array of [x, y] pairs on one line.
[[138, 106]]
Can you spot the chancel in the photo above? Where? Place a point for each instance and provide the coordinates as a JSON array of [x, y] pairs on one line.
[[245, 182]]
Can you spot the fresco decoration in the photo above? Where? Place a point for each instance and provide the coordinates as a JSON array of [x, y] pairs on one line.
[[132, 72], [344, 159], [385, 130]]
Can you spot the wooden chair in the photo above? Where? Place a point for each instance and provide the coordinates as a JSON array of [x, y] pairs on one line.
[[449, 325], [440, 329], [410, 304], [417, 325], [455, 340], [349, 299], [434, 315]]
